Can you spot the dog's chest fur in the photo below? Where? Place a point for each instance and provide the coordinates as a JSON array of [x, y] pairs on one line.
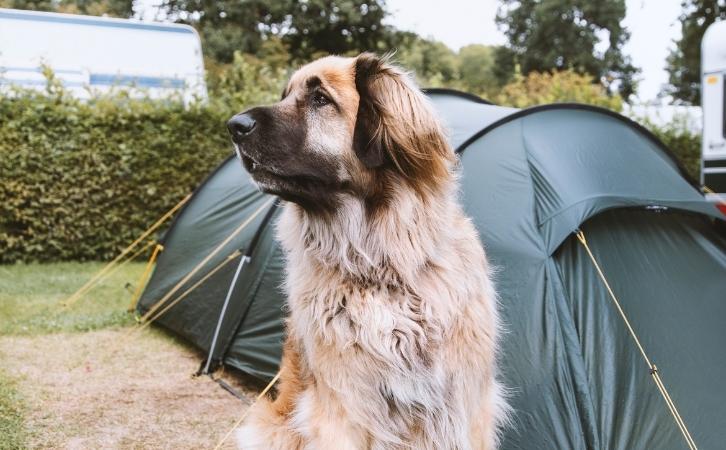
[[375, 319]]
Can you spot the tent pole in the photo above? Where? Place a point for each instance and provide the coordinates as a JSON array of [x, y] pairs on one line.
[[242, 262]]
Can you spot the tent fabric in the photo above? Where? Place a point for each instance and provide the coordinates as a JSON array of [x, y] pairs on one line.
[[217, 207], [679, 324], [530, 179]]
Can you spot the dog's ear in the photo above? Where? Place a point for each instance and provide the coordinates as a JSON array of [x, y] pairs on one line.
[[367, 138], [395, 123]]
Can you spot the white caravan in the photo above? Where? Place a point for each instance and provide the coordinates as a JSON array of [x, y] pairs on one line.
[[713, 85], [96, 54]]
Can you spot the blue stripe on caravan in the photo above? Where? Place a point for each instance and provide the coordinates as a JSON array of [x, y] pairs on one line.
[[18, 15], [100, 79], [106, 80]]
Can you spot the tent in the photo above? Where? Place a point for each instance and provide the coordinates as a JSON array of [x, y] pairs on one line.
[[530, 180]]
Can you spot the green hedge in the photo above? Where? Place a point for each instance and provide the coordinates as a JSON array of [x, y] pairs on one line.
[[80, 180]]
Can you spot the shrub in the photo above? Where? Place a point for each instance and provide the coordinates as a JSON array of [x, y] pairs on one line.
[[248, 81], [80, 180], [685, 144], [564, 86]]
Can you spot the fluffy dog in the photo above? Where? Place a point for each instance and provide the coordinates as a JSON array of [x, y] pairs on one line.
[[392, 330]]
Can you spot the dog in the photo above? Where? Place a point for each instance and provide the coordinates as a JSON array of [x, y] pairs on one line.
[[392, 333]]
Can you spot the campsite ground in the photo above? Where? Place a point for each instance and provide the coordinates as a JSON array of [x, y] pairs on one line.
[[76, 377]]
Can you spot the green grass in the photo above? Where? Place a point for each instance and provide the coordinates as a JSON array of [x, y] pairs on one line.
[[12, 431], [30, 296]]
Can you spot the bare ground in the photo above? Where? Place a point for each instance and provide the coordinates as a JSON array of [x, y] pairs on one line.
[[142, 396]]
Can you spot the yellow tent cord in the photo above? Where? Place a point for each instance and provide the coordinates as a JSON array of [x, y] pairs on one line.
[[145, 276], [206, 259], [140, 326], [70, 300], [146, 322], [653, 369], [244, 416], [107, 273], [147, 319]]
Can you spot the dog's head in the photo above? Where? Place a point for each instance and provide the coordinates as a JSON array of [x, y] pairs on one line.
[[344, 126]]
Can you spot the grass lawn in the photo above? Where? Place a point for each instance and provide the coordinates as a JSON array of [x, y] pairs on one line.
[[29, 305], [30, 296], [12, 428]]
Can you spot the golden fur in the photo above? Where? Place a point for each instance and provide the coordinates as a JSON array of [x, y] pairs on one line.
[[392, 330]]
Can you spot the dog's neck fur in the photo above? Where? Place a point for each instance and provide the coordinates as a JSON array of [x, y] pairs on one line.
[[387, 246]]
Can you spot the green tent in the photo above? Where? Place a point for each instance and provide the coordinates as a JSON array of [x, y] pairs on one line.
[[531, 178]]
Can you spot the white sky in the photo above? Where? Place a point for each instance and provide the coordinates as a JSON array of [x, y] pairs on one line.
[[653, 25]]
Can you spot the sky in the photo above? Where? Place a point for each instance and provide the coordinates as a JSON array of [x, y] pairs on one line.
[[653, 25]]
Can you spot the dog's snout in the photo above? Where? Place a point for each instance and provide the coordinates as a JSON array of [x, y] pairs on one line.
[[241, 125]]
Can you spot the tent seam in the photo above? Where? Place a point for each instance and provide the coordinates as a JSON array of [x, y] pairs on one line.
[[580, 353]]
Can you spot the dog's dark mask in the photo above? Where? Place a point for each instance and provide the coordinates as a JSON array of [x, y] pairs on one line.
[[271, 141]]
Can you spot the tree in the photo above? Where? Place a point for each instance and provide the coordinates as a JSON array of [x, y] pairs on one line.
[[477, 69], [227, 26], [547, 35], [433, 63], [306, 27], [336, 27], [113, 8], [684, 61]]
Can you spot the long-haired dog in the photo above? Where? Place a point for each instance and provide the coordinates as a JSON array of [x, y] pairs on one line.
[[392, 329]]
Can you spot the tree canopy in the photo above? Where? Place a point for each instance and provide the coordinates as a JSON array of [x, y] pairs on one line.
[[582, 35], [684, 61], [307, 28]]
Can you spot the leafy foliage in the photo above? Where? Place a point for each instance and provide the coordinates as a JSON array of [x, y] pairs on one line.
[[685, 144], [473, 69], [563, 86], [432, 62], [477, 70], [81, 180], [547, 35], [113, 8], [336, 27], [684, 61], [307, 28], [247, 81]]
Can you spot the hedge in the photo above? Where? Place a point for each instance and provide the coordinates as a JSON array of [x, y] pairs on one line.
[[80, 180]]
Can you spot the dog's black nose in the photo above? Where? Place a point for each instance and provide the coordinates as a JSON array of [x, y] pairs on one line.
[[240, 126]]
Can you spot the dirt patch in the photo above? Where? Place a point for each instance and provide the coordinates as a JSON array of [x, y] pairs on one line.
[[143, 396]]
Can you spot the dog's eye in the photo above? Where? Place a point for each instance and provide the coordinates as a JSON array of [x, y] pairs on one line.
[[320, 100]]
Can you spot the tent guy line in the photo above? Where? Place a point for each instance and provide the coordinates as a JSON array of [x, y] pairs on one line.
[[147, 319], [106, 269], [653, 369]]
